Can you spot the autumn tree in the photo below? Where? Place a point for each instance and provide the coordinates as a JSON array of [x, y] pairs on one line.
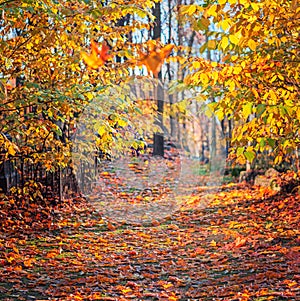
[[257, 82], [55, 47]]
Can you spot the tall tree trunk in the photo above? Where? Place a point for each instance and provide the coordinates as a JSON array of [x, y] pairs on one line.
[[213, 148], [173, 120], [228, 144], [226, 127], [158, 138]]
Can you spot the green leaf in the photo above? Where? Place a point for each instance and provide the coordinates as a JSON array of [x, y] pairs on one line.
[[240, 150], [203, 48], [262, 142], [271, 142], [249, 156], [57, 131], [260, 109]]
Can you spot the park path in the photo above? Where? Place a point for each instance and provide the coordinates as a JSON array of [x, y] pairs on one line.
[[242, 245]]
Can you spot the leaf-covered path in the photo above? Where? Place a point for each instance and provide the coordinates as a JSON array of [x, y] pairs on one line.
[[243, 245]]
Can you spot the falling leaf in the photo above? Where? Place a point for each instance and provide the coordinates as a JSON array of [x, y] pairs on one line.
[[97, 57], [155, 57]]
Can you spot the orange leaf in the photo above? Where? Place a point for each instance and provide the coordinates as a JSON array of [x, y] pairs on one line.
[[29, 262], [52, 254], [200, 251], [103, 53], [239, 242], [155, 57], [11, 83], [111, 227], [97, 57], [155, 222]]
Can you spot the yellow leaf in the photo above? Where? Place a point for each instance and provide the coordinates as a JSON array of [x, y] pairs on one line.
[[220, 115], [280, 77], [284, 39], [167, 285], [181, 106], [222, 1], [233, 39], [245, 3], [231, 85], [278, 159], [212, 11], [101, 130], [224, 24], [252, 44], [11, 150], [237, 70], [122, 122], [89, 95], [298, 113], [196, 65], [29, 46], [215, 75], [213, 243], [273, 78], [224, 43], [208, 112], [273, 95], [204, 78], [247, 110], [255, 6], [191, 9], [255, 93], [269, 225]]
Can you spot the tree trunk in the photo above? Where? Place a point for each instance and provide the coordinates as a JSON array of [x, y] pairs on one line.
[[173, 120], [158, 138]]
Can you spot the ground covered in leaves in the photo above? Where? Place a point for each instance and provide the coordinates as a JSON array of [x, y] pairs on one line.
[[242, 245]]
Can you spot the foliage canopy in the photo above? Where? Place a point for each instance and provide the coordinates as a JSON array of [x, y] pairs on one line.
[[256, 83]]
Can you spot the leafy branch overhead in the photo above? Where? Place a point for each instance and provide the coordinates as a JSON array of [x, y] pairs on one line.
[[256, 80], [44, 88]]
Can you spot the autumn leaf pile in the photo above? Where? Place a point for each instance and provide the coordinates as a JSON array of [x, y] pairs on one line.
[[241, 243]]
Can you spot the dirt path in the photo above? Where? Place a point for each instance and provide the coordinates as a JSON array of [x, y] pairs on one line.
[[243, 245]]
